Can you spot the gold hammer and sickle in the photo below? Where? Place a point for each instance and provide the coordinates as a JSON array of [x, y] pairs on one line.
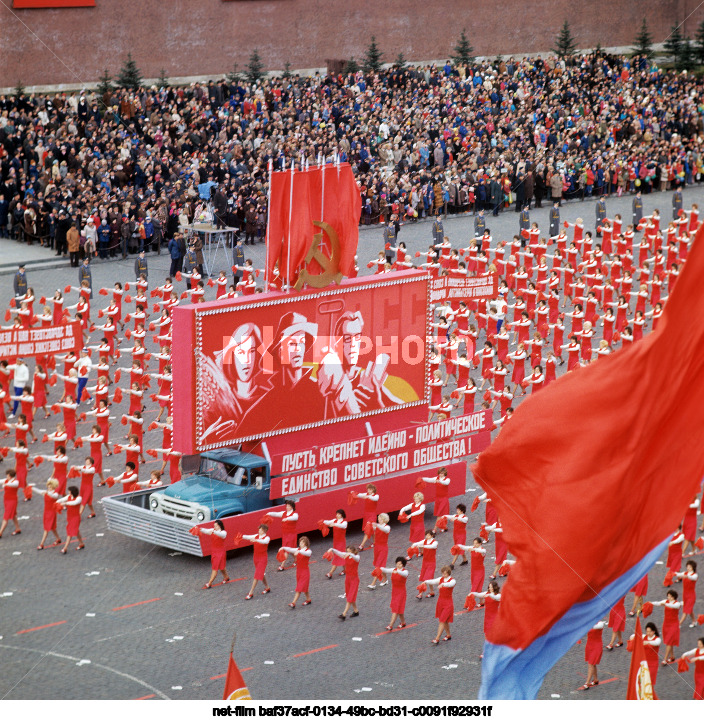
[[330, 265]]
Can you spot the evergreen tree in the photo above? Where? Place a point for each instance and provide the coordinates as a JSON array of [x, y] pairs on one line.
[[287, 71], [255, 67], [400, 60], [699, 44], [352, 66], [685, 60], [163, 80], [104, 90], [372, 57], [643, 44], [129, 76], [673, 44], [463, 51], [565, 44], [19, 90], [233, 76]]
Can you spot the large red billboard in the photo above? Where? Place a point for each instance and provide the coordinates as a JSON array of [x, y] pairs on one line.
[[26, 342], [250, 368]]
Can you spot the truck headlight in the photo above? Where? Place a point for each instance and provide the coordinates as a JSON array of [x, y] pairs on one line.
[[154, 502], [200, 516]]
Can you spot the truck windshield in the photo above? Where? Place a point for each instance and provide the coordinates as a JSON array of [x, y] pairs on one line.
[[225, 472]]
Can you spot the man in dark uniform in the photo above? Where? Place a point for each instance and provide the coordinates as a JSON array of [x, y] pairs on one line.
[[219, 206], [20, 282], [600, 215], [555, 219], [438, 230], [676, 204], [479, 224], [238, 260], [523, 224], [85, 274], [140, 266], [637, 210], [390, 239]]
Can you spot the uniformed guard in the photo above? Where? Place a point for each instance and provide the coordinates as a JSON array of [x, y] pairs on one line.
[[20, 282], [85, 274], [555, 219], [637, 210], [523, 224], [600, 215], [479, 224], [140, 266], [389, 239], [438, 230], [676, 204]]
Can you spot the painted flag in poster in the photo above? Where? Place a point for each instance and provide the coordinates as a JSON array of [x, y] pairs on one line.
[[640, 685], [625, 433], [235, 687]]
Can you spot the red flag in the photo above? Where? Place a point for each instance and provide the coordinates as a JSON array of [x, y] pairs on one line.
[[235, 687], [290, 224], [640, 685], [636, 438], [336, 201]]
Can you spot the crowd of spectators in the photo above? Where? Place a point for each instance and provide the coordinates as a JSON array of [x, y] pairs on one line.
[[126, 169]]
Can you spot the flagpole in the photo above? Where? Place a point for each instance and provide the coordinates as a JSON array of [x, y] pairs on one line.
[[288, 249], [268, 218]]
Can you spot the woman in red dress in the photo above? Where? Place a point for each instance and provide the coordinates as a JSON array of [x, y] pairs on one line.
[[302, 555], [288, 528], [617, 624], [399, 576], [593, 651], [640, 589], [260, 546], [670, 625], [218, 554], [339, 534], [459, 531], [87, 471], [689, 592], [72, 503], [477, 571], [414, 511], [652, 641], [381, 530], [441, 507], [697, 655], [428, 548], [370, 498], [674, 551], [10, 486], [51, 496], [444, 609], [350, 558], [492, 598]]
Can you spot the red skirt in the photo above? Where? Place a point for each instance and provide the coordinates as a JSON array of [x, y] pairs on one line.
[[593, 651], [398, 600], [617, 617], [477, 579], [73, 521], [218, 559], [260, 561], [351, 588], [689, 596], [641, 588], [302, 579], [444, 610], [87, 493], [441, 506], [671, 634], [381, 554], [10, 508], [417, 530], [290, 540]]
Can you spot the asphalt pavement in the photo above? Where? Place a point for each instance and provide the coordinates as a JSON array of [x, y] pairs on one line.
[[125, 620]]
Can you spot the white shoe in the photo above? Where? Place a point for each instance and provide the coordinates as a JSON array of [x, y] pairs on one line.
[[372, 586], [384, 583]]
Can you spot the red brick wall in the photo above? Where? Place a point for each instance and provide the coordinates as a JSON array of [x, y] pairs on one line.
[[205, 37]]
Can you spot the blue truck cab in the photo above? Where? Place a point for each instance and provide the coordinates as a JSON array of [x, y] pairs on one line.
[[228, 483]]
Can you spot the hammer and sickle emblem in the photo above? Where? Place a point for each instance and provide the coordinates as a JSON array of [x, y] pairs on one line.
[[330, 265]]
